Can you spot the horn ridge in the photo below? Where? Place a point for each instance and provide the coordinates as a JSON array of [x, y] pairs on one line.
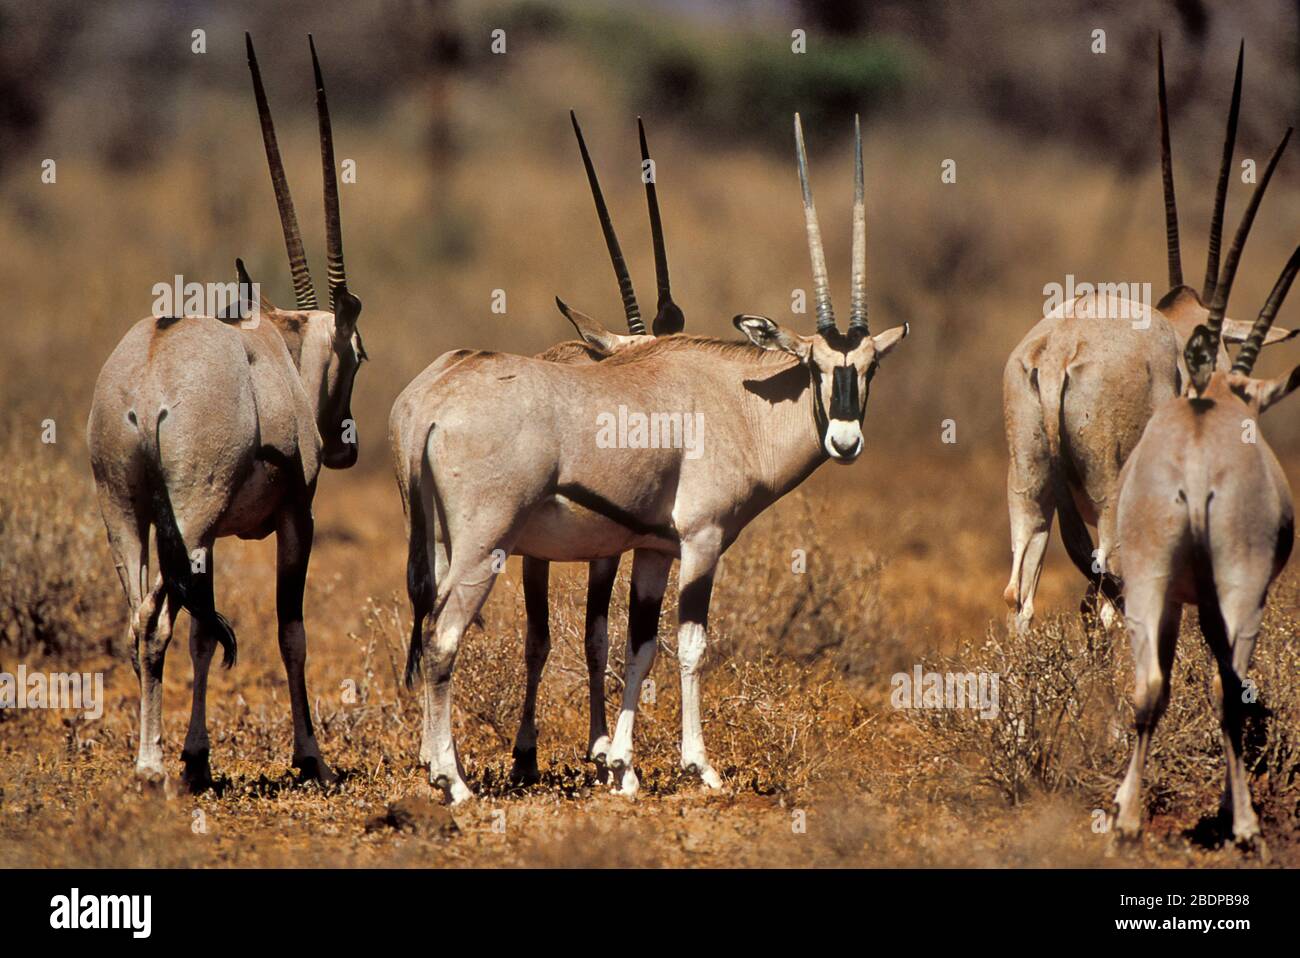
[[633, 313], [333, 227], [821, 286], [858, 294], [1221, 193], [303, 291], [1229, 271], [1249, 351], [1167, 172]]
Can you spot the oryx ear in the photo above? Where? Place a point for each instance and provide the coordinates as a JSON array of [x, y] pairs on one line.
[[1235, 331], [890, 338], [591, 332], [1263, 393], [1199, 355], [766, 334], [250, 296]]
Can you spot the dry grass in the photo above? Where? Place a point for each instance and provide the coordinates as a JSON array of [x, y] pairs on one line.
[[907, 551]]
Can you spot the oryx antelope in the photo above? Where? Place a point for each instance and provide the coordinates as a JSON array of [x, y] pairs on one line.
[[1205, 516], [510, 464], [1078, 391], [202, 428], [407, 435], [596, 344]]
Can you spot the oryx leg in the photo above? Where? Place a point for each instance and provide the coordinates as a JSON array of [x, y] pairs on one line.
[[1231, 626], [699, 560], [1152, 621], [649, 581], [438, 547], [149, 621], [154, 620], [537, 647], [293, 541], [197, 773], [600, 585], [1031, 508], [461, 593]]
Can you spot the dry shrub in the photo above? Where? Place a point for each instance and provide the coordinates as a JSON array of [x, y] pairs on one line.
[[59, 593], [1065, 719], [831, 611]]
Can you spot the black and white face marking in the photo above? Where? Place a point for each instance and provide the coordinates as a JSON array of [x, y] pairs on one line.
[[840, 365]]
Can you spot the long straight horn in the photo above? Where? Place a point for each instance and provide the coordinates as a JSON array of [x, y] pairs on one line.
[[1167, 173], [669, 318], [1254, 342], [303, 291], [821, 286], [1229, 272], [333, 228], [858, 295], [1221, 195], [634, 324]]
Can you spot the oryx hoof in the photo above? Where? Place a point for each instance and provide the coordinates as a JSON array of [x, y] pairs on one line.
[[705, 772], [524, 771], [626, 783], [154, 781], [197, 773], [1252, 843], [454, 790], [312, 768], [599, 751]]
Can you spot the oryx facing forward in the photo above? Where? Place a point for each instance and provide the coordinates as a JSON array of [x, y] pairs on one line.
[[1078, 391], [1205, 516], [202, 428], [524, 474]]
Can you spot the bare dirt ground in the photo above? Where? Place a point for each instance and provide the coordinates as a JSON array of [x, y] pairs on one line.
[[819, 769]]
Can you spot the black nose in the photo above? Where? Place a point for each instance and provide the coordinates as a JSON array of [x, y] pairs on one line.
[[844, 448]]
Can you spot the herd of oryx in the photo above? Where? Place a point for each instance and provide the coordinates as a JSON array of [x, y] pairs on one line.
[[205, 427]]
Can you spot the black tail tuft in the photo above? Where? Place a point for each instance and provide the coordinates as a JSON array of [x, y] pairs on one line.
[[419, 587], [415, 651]]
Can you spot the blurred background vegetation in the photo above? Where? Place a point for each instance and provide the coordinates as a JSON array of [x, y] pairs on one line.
[[468, 180]]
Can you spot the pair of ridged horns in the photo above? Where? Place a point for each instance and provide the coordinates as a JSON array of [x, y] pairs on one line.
[[821, 285], [304, 291], [1218, 282], [669, 318]]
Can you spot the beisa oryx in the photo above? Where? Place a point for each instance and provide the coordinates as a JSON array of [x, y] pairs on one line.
[[1078, 391], [1205, 517], [407, 432], [596, 344], [524, 474], [204, 427]]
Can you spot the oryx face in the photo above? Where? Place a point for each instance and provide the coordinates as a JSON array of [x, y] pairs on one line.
[[840, 364], [346, 354], [840, 367]]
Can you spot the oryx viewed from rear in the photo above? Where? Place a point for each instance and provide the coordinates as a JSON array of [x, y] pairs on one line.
[[204, 427], [1205, 517], [1079, 388]]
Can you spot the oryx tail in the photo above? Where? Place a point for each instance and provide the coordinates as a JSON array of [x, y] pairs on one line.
[[173, 555]]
